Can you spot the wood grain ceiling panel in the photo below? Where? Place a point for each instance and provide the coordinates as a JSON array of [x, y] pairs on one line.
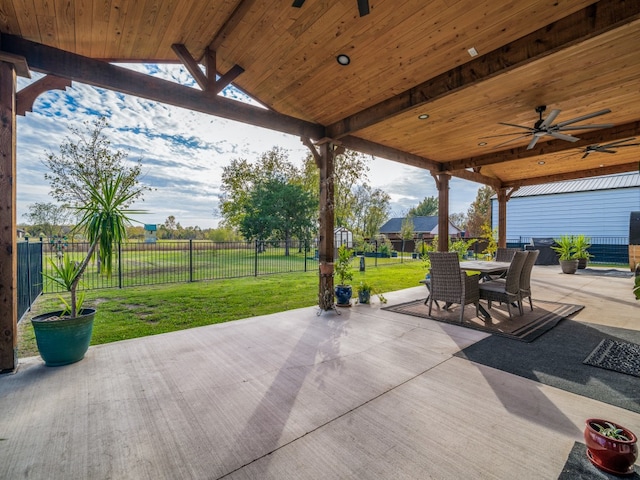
[[288, 55]]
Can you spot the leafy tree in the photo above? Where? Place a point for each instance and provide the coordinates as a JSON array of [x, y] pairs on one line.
[[87, 159], [426, 208], [278, 209], [222, 234], [479, 212], [371, 210], [350, 170], [459, 220], [241, 177], [48, 218], [170, 228]]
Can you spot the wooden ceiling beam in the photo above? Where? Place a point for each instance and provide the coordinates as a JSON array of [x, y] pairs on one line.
[[588, 138], [559, 177], [589, 22], [377, 150], [191, 65], [75, 67]]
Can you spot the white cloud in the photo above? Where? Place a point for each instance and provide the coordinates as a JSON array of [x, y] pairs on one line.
[[182, 152]]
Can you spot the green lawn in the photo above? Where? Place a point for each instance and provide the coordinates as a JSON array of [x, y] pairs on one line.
[[149, 310]]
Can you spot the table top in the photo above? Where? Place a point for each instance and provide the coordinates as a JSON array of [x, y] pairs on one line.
[[483, 266]]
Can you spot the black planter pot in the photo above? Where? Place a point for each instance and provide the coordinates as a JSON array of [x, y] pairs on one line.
[[569, 266], [64, 340]]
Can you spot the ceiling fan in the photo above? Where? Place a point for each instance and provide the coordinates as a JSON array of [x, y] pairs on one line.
[[609, 147], [546, 126], [363, 6]]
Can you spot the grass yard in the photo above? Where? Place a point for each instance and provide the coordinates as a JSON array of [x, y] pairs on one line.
[[149, 310]]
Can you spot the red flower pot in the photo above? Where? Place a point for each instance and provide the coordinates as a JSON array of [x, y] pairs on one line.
[[608, 454]]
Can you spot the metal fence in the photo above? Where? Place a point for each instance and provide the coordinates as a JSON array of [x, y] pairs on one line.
[[29, 275], [139, 264]]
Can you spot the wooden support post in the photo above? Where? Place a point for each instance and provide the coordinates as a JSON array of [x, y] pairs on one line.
[[327, 220], [504, 195], [502, 217], [8, 225], [442, 183]]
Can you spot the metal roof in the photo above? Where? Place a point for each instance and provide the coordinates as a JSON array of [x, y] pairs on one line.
[[609, 182], [420, 225]]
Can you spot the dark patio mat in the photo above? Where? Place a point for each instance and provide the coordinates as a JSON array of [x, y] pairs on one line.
[[556, 359], [578, 467], [526, 328], [623, 357]]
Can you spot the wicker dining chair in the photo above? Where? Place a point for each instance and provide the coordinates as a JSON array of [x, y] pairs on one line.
[[451, 285], [525, 276], [507, 290], [505, 254]]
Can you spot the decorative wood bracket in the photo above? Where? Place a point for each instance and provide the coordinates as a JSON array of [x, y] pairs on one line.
[[18, 62], [207, 82], [26, 97]]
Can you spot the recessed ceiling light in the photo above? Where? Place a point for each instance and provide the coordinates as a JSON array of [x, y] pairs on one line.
[[482, 144], [540, 162], [423, 116], [343, 59], [472, 52]]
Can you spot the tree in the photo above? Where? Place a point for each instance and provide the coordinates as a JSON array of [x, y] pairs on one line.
[[479, 213], [278, 209], [459, 220], [426, 208], [48, 217], [87, 159], [370, 210], [170, 227]]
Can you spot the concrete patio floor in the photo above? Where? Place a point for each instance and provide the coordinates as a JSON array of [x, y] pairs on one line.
[[368, 394]]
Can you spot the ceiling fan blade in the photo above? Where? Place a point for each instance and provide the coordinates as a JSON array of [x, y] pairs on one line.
[[533, 142], [517, 126], [363, 7], [626, 145], [583, 117], [511, 140], [562, 136], [585, 127], [586, 154], [618, 142], [606, 151], [297, 3], [550, 118]]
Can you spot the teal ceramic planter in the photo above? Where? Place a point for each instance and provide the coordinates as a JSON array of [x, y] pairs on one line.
[[63, 341]]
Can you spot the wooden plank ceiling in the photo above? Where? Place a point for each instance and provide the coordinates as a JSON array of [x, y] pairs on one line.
[[408, 57]]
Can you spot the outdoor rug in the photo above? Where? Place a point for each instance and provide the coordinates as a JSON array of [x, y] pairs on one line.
[[556, 359], [578, 467], [605, 272], [623, 357], [526, 328]]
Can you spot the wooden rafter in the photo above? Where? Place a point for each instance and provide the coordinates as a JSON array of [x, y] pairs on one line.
[[589, 22], [51, 60], [208, 81]]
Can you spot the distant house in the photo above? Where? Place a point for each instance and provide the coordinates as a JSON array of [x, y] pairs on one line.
[[423, 228], [150, 233], [598, 207]]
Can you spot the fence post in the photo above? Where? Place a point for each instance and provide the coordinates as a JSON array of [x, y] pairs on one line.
[[191, 260], [119, 265], [306, 250], [255, 259]]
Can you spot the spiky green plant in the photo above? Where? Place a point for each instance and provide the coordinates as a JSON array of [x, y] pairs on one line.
[[103, 218], [610, 430]]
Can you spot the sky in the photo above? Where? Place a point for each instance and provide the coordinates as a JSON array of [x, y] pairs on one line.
[[183, 152]]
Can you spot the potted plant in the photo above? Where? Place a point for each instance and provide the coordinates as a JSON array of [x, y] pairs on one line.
[[565, 248], [610, 447], [581, 244], [344, 271], [364, 292], [63, 336]]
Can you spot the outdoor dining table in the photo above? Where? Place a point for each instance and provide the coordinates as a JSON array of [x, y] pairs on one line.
[[485, 268]]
